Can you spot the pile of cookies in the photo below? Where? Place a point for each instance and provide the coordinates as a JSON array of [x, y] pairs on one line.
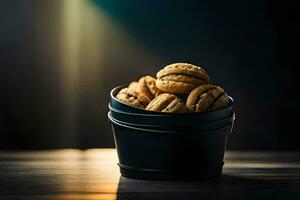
[[179, 87]]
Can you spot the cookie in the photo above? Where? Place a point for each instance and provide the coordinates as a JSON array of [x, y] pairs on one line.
[[133, 98], [167, 103], [133, 85], [207, 97], [181, 78], [147, 86]]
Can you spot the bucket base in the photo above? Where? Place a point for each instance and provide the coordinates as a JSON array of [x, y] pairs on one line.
[[186, 174]]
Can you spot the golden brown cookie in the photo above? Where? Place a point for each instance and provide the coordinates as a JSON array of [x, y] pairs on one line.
[[181, 78], [207, 97], [147, 86], [133, 98], [167, 103], [133, 85]]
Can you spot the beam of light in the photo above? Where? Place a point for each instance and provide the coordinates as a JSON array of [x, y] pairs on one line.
[[70, 60], [90, 42]]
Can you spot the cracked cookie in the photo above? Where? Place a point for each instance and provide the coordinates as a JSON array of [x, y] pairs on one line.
[[166, 103], [133, 98], [147, 86], [207, 97]]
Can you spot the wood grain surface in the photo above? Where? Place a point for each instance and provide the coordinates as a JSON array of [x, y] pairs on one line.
[[94, 174]]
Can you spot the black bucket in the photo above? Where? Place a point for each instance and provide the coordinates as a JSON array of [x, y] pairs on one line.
[[184, 154], [182, 125]]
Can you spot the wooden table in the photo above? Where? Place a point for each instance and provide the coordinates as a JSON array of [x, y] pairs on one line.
[[94, 174]]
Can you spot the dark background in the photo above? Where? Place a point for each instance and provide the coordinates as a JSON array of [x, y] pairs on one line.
[[60, 59]]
